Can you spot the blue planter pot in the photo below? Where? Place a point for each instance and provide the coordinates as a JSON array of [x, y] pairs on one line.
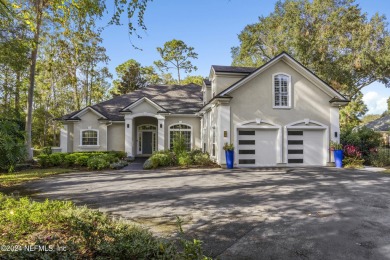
[[338, 158], [229, 159]]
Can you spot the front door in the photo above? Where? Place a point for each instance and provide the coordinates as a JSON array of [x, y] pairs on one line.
[[146, 142]]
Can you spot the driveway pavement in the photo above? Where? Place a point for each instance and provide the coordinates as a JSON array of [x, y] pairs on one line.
[[300, 213]]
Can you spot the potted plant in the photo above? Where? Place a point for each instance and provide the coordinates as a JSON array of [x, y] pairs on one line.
[[229, 154], [337, 149]]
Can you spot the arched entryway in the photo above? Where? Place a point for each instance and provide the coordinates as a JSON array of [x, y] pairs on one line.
[[145, 135]]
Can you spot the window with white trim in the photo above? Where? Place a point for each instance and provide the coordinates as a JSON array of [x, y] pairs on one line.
[[281, 91], [183, 131], [89, 137]]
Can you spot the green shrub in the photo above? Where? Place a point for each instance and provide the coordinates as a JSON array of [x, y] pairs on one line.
[[118, 165], [179, 144], [57, 159], [185, 159], [202, 159], [70, 159], [12, 148], [164, 158], [380, 157], [43, 160], [82, 160], [150, 164], [118, 154], [98, 162], [363, 138], [86, 234], [112, 158], [46, 150]]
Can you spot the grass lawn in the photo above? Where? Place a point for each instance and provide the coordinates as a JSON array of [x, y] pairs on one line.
[[10, 179]]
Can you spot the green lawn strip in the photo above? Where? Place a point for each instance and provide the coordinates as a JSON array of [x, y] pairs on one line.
[[10, 179], [61, 230]]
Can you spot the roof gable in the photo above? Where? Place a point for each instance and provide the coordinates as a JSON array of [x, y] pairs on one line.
[[143, 100], [84, 111], [293, 64]]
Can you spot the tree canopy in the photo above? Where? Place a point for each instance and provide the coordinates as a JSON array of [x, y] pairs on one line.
[[333, 38], [133, 76], [176, 55]]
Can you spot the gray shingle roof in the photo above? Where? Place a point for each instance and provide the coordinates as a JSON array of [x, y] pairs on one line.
[[380, 124], [207, 82], [232, 69], [175, 99]]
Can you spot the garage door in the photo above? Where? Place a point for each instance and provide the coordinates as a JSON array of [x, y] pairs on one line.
[[305, 147], [257, 147]]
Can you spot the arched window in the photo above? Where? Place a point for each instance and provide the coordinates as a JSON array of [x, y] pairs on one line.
[[180, 131], [281, 91], [89, 137]]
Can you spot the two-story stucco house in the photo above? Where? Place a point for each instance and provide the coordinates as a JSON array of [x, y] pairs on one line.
[[277, 114]]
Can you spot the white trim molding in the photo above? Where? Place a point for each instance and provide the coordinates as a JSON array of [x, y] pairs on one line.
[[180, 123], [140, 101], [289, 91], [89, 145], [139, 136]]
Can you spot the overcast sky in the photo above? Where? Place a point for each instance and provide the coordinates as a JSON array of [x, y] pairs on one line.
[[211, 27]]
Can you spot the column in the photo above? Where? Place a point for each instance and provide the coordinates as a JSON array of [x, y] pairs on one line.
[[161, 133], [223, 131], [64, 139], [129, 136], [334, 128]]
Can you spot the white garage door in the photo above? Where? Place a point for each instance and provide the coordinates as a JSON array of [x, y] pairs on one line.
[[306, 147], [257, 147]]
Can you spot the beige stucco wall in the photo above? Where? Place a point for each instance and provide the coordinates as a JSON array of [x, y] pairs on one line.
[[254, 100], [221, 82], [89, 120], [193, 121], [116, 137], [144, 107]]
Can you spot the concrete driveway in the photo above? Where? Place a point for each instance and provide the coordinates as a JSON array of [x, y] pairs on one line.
[[300, 213]]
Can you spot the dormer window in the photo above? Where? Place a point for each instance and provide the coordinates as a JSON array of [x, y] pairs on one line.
[[281, 91]]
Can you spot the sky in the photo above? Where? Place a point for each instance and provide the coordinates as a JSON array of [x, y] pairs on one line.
[[211, 27]]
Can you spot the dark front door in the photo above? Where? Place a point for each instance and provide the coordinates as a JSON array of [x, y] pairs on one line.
[[146, 142]]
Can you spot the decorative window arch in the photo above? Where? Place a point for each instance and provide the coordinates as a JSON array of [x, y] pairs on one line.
[[183, 130], [281, 90], [89, 137]]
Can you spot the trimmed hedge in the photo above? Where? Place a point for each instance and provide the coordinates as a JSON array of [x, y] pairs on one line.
[[94, 160]]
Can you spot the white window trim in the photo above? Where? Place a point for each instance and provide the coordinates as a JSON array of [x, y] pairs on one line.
[[169, 133], [81, 138], [288, 90]]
